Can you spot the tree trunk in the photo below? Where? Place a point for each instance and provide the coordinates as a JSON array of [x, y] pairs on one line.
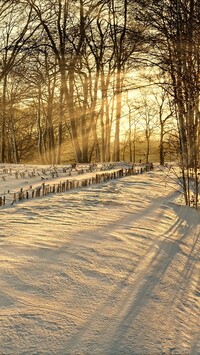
[[40, 152], [13, 141], [61, 114], [69, 96], [118, 97], [84, 130], [161, 146], [3, 119], [148, 145]]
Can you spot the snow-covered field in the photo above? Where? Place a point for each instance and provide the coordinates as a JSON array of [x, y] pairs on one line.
[[112, 268]]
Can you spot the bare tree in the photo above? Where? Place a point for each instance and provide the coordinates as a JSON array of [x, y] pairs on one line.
[[175, 49], [164, 111], [16, 30]]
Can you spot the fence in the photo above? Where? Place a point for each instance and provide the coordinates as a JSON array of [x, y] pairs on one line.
[[45, 189]]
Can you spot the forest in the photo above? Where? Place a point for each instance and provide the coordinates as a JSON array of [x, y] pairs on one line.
[[94, 81]]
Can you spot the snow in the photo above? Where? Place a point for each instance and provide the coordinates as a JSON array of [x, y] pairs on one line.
[[111, 268]]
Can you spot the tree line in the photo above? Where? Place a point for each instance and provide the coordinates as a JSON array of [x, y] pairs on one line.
[[176, 50], [66, 75]]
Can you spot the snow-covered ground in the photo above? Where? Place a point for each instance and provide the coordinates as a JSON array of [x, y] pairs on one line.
[[112, 268]]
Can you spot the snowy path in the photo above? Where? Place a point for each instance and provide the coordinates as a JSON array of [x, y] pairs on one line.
[[111, 269]]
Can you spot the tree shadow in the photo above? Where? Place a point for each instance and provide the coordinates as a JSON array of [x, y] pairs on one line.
[[146, 277]]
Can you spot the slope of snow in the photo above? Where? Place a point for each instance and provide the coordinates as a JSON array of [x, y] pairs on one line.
[[112, 268]]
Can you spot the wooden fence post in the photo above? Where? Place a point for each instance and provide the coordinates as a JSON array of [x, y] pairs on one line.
[[43, 188]]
